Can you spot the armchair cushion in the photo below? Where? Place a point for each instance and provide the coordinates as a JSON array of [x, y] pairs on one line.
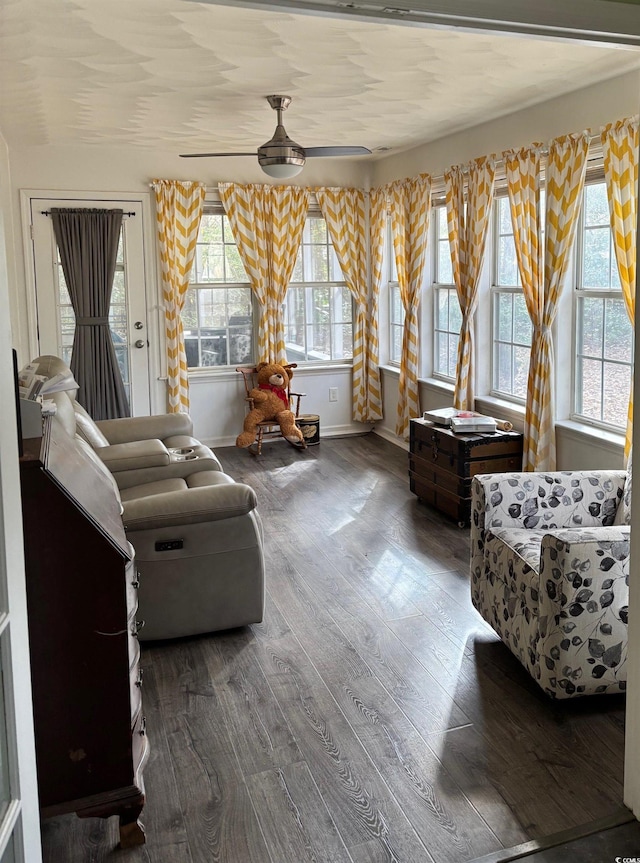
[[87, 428]]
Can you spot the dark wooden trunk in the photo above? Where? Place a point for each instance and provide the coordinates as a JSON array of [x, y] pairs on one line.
[[443, 463]]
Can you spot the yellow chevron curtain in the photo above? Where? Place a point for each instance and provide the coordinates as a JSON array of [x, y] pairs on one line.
[[523, 170], [467, 239], [178, 211], [267, 223], [377, 229], [566, 165], [410, 211], [344, 213], [620, 151]]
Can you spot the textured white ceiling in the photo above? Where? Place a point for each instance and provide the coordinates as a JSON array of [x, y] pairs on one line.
[[191, 77]]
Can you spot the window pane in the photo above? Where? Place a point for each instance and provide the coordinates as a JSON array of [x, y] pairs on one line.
[[396, 348], [442, 360], [397, 311], [453, 354], [444, 275], [455, 315], [504, 368], [507, 262], [504, 216], [617, 383], [590, 389], [234, 268], [520, 371], [521, 321], [591, 313], [618, 335], [443, 309], [596, 258], [443, 227], [505, 317], [596, 206]]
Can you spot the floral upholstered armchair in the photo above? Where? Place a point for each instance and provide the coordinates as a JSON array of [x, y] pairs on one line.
[[549, 572]]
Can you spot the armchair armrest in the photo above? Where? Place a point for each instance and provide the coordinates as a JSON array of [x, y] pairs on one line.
[[160, 426], [583, 605], [134, 455], [190, 506]]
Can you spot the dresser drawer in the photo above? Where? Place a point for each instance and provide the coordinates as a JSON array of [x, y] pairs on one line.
[[459, 508]]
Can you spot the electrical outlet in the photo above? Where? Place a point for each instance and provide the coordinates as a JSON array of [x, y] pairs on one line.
[[333, 394]]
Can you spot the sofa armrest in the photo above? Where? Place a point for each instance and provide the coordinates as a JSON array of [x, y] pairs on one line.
[[190, 506], [160, 426], [583, 606], [134, 455], [547, 501]]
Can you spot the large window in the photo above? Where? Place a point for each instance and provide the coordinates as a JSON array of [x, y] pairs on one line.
[[511, 323], [604, 336], [218, 312], [447, 314], [318, 308]]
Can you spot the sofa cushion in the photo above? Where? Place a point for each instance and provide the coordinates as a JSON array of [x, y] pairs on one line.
[[135, 455], [513, 554], [87, 428]]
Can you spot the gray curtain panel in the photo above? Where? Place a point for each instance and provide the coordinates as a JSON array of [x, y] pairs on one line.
[[88, 244]]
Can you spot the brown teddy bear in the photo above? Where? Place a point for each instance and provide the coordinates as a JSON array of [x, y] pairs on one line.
[[271, 402]]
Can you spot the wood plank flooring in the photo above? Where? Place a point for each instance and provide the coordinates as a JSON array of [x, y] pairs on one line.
[[372, 716]]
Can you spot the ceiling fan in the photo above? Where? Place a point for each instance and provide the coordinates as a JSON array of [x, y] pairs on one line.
[[281, 157]]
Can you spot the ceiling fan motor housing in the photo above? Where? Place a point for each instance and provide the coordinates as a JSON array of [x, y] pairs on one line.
[[281, 150]]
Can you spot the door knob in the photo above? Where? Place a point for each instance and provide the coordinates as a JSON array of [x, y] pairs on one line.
[[140, 343]]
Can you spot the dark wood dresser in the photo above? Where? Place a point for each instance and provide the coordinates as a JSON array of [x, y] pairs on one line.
[[442, 464], [81, 601]]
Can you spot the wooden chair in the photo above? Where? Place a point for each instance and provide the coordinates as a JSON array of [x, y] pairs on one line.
[[267, 428]]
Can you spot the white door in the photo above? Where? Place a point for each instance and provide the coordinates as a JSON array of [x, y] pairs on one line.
[[128, 319], [19, 815]]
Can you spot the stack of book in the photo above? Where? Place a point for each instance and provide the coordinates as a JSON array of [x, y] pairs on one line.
[[461, 421]]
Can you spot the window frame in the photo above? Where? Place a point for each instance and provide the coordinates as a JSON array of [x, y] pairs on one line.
[[217, 209], [336, 288], [438, 287], [579, 294], [497, 291]]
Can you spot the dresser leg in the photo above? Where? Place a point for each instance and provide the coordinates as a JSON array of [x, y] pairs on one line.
[[131, 830]]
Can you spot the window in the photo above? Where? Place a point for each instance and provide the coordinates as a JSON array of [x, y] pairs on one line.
[[118, 325], [318, 308], [604, 336], [218, 312], [447, 314], [511, 323], [396, 309]]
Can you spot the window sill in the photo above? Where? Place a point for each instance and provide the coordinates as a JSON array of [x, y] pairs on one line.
[[596, 436]]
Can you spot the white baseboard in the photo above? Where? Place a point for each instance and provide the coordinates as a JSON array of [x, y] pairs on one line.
[[391, 437], [350, 430]]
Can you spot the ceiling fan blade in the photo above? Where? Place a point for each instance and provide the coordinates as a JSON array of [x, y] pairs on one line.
[[336, 151], [208, 155]]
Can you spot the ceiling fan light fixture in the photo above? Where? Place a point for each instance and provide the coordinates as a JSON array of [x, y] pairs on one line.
[[283, 170]]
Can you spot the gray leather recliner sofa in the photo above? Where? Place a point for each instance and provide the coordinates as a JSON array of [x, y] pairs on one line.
[[196, 532]]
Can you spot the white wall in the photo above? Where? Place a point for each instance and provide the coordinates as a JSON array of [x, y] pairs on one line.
[[590, 108]]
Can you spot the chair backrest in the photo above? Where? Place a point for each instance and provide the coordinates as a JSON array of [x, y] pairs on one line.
[[623, 513]]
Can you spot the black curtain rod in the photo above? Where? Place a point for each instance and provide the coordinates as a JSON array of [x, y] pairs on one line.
[[48, 212]]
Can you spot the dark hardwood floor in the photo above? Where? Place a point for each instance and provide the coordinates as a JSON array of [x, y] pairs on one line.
[[372, 716]]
